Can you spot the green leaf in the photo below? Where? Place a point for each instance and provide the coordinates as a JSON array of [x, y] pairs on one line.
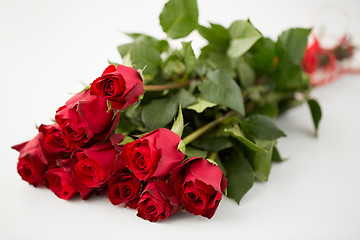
[[144, 54], [178, 125], [161, 45], [185, 98], [236, 133], [290, 77], [246, 74], [127, 125], [315, 113], [188, 56], [239, 175], [255, 93], [214, 143], [276, 156], [243, 37], [261, 160], [267, 109], [219, 61], [291, 44], [201, 105], [216, 35], [262, 56], [124, 49], [173, 67], [220, 88], [261, 127], [130, 120], [159, 112], [179, 18]]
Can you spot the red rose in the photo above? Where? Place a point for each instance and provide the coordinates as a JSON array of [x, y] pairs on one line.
[[61, 183], [200, 185], [85, 117], [120, 85], [124, 188], [158, 201], [54, 140], [65, 184], [32, 163], [95, 164], [154, 155]]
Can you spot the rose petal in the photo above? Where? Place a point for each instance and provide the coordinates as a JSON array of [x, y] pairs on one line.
[[208, 173]]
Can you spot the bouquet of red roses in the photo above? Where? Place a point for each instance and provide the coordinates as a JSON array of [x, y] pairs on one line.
[[167, 130]]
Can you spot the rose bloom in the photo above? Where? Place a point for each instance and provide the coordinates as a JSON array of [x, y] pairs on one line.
[[120, 85], [95, 164], [65, 184], [54, 140], [61, 183], [124, 188], [154, 155], [32, 163], [158, 201], [85, 117], [200, 185]]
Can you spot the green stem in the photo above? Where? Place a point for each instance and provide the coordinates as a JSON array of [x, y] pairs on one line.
[[153, 88], [213, 155], [194, 135]]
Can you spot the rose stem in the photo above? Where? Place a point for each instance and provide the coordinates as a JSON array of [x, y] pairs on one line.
[[213, 156], [194, 135], [153, 88]]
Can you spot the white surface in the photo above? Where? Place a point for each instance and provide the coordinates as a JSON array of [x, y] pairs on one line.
[[48, 47]]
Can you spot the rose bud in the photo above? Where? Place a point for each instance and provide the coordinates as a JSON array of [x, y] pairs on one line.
[[200, 185], [61, 183], [54, 140], [95, 164], [120, 85], [85, 117], [158, 201], [32, 163], [154, 155], [124, 188]]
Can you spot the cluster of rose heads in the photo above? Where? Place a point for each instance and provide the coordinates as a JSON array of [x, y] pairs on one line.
[[80, 153], [326, 64]]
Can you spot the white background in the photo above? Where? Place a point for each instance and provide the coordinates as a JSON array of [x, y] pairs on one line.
[[47, 48]]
